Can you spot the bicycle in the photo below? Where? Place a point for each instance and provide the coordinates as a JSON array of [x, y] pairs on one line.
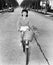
[[27, 51], [26, 43]]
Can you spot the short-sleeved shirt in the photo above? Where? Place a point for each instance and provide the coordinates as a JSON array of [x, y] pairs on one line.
[[23, 22], [28, 34]]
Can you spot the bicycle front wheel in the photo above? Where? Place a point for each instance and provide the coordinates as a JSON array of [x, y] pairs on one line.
[[27, 56]]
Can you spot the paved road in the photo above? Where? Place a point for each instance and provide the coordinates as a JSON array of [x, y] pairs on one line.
[[10, 51], [48, 15]]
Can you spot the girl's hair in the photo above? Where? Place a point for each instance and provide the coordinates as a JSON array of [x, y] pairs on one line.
[[24, 10]]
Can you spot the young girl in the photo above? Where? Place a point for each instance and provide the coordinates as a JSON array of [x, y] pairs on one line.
[[24, 27]]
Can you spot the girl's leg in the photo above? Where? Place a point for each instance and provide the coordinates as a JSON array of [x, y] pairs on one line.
[[23, 44]]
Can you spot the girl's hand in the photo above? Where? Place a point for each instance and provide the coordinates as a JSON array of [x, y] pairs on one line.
[[34, 28]]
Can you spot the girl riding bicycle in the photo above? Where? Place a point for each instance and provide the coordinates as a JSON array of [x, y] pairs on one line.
[[24, 27], [28, 33]]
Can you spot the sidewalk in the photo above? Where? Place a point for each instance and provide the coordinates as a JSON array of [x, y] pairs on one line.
[[49, 13], [39, 11]]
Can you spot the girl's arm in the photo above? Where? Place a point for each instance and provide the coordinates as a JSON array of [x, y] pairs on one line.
[[35, 30]]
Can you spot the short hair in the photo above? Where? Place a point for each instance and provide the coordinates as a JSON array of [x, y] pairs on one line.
[[25, 10]]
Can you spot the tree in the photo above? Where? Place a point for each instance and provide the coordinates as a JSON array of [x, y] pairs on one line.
[[13, 3], [32, 3], [26, 3], [8, 3], [0, 4]]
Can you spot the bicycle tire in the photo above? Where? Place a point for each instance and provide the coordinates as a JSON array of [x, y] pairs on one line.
[[27, 56]]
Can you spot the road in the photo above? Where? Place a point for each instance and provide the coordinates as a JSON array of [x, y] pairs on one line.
[[10, 51], [48, 15]]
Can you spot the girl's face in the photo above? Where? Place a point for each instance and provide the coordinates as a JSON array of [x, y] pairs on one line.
[[24, 15]]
